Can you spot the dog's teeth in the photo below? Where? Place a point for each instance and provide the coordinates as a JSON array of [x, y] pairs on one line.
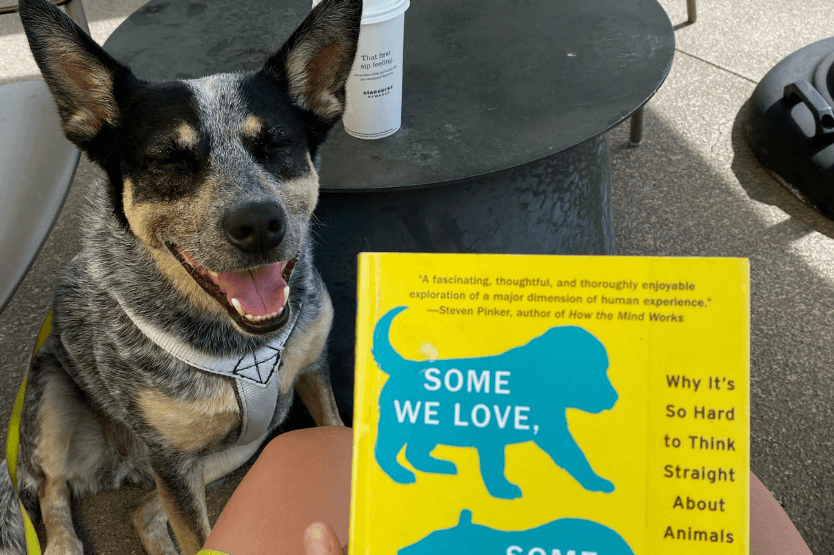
[[249, 317], [280, 310], [236, 304], [286, 293], [212, 274]]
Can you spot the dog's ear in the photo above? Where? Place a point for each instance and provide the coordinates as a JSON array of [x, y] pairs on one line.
[[80, 74], [316, 60]]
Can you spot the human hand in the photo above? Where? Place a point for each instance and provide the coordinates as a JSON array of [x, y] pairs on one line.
[[319, 539]]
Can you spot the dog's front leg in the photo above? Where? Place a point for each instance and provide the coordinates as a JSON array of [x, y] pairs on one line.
[[151, 520], [68, 446], [317, 395], [168, 503], [566, 453], [54, 497], [151, 524], [313, 382], [182, 494]]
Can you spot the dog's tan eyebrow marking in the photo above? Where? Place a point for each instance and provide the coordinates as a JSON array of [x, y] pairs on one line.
[[252, 126], [187, 136]]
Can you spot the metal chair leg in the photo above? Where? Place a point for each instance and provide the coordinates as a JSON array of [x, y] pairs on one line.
[[691, 11], [636, 136]]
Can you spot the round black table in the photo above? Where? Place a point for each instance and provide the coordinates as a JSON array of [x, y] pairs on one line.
[[505, 104]]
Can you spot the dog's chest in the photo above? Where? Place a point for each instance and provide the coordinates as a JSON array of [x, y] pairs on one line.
[[196, 422], [224, 394]]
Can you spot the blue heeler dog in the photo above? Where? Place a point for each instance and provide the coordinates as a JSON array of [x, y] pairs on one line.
[[193, 311]]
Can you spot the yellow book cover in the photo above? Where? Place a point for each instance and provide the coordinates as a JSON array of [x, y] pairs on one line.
[[551, 405]]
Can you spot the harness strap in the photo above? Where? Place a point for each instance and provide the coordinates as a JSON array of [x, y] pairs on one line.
[[255, 374]]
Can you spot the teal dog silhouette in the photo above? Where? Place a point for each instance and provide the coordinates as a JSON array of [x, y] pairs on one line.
[[491, 402], [567, 536]]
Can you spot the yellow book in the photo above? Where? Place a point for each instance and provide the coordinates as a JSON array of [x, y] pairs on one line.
[[551, 405]]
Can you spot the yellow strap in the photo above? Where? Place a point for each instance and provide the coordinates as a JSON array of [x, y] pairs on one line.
[[13, 437], [32, 545], [13, 440], [211, 552], [43, 334]]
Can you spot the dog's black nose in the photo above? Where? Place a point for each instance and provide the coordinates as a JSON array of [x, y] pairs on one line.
[[255, 227]]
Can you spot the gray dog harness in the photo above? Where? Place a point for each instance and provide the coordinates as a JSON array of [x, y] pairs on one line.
[[255, 373]]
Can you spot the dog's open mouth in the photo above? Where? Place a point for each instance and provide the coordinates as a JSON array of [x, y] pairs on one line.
[[256, 299]]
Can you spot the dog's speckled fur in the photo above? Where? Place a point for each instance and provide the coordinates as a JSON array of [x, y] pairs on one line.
[[104, 404]]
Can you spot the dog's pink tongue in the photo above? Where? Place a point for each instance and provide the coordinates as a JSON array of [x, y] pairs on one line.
[[259, 291]]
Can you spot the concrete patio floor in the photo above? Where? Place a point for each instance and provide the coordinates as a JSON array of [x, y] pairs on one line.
[[692, 189]]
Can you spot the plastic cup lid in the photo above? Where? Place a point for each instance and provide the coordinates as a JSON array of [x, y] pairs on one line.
[[375, 11]]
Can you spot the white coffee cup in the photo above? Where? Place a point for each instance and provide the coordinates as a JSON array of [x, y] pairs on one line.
[[374, 88]]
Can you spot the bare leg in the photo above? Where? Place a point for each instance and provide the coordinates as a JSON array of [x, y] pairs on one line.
[[771, 530], [302, 477]]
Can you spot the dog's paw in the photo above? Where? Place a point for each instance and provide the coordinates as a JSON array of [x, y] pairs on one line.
[[64, 544], [444, 467], [401, 475], [504, 491], [600, 484], [433, 466]]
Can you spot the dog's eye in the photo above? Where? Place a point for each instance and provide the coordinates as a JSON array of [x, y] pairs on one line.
[[268, 146], [173, 161]]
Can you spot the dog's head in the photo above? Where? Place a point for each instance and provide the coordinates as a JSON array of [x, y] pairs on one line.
[[573, 365], [213, 176]]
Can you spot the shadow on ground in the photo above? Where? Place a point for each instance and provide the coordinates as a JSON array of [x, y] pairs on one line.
[[669, 201]]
